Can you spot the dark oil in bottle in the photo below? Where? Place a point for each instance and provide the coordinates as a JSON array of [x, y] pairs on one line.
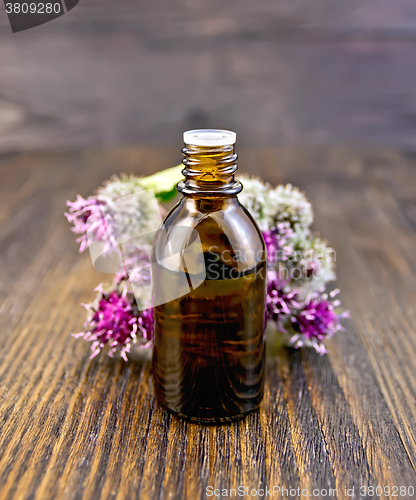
[[210, 358]]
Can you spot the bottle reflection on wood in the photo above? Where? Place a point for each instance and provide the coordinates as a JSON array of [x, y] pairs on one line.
[[209, 273]]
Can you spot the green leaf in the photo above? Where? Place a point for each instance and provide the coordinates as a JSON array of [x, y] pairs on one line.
[[164, 183]]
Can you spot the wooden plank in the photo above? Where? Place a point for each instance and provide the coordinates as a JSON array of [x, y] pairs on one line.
[[312, 458], [71, 427]]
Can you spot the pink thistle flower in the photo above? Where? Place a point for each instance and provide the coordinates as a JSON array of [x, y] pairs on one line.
[[316, 321], [280, 304], [135, 266], [277, 240], [91, 219], [114, 319]]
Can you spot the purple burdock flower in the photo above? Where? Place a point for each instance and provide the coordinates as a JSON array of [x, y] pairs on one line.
[[90, 219], [114, 319], [277, 242], [317, 321], [135, 266], [280, 304]]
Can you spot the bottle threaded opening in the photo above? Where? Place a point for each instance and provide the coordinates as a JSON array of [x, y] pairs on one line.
[[209, 171]]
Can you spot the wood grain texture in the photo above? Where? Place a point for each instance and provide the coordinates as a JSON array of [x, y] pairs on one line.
[[278, 72], [73, 428]]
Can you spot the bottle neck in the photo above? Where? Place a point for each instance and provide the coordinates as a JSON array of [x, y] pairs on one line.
[[209, 172]]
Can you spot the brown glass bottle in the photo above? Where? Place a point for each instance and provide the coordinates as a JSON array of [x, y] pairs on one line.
[[209, 272]]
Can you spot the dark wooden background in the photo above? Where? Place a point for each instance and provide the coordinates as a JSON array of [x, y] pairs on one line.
[[74, 428], [276, 71]]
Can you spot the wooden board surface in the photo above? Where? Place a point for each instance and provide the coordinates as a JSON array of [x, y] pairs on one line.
[[72, 428], [278, 72]]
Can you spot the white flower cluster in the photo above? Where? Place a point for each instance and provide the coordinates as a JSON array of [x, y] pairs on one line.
[[133, 209], [119, 186], [255, 198], [309, 265], [287, 203], [270, 205], [317, 260]]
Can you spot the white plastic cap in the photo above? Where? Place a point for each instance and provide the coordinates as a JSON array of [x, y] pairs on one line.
[[209, 137]]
